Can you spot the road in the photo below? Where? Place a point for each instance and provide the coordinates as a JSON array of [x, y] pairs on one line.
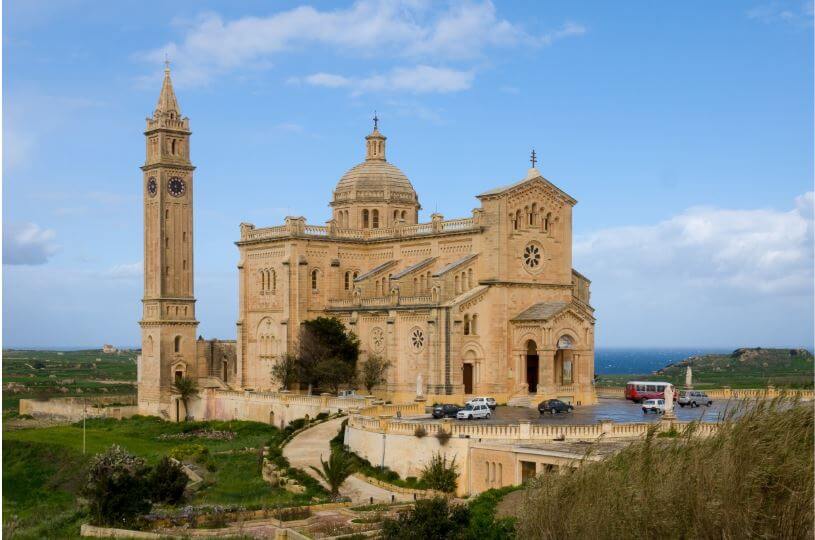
[[306, 449]]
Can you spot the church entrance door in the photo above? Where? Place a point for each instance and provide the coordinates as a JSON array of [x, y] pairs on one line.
[[532, 361], [468, 378]]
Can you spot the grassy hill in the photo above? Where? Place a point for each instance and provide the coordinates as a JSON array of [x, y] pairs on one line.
[[743, 368], [39, 374]]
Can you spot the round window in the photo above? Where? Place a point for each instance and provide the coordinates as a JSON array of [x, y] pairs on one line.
[[416, 339], [533, 257]]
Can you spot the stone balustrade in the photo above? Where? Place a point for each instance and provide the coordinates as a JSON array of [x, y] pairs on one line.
[[299, 227]]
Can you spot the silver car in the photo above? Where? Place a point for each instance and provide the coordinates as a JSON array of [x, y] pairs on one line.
[[694, 398]]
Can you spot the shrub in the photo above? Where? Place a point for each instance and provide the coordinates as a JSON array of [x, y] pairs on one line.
[[167, 482], [116, 489], [430, 518], [752, 478], [322, 416], [438, 475], [443, 437], [292, 514], [420, 432]]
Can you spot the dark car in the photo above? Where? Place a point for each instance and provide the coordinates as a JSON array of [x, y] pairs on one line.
[[554, 406], [447, 410]]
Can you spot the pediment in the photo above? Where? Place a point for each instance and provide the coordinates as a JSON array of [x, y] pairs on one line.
[[536, 186]]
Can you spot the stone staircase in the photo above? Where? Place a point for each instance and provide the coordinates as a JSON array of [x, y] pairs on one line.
[[520, 400]]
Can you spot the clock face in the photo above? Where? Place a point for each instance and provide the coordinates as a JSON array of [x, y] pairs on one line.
[[176, 187], [152, 187]]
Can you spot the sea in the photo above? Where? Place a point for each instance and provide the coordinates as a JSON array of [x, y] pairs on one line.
[[620, 360]]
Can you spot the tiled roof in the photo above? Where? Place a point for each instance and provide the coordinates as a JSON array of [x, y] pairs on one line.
[[374, 270], [416, 266], [541, 312], [456, 263]]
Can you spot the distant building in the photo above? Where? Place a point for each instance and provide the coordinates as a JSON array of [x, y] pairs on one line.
[[109, 349]]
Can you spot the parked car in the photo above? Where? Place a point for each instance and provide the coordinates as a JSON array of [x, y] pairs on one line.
[[470, 411], [446, 410], [694, 398], [347, 393], [653, 405], [554, 406], [483, 400]]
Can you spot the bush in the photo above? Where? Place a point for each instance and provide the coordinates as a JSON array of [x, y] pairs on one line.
[[753, 478], [430, 518], [443, 437], [321, 416], [167, 482], [116, 488], [292, 514], [438, 475], [420, 432]]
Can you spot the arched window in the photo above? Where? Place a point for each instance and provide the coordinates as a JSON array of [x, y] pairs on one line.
[[262, 280], [474, 325], [457, 284], [500, 473], [172, 151], [547, 222], [273, 284], [314, 275], [533, 214], [378, 288], [148, 346], [395, 215], [466, 325], [404, 214], [355, 275], [347, 280], [422, 284], [177, 344], [470, 278], [375, 219], [517, 219], [415, 285], [387, 286], [365, 219]]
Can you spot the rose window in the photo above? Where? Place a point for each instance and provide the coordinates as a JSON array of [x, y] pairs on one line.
[[532, 256], [416, 339], [377, 339]]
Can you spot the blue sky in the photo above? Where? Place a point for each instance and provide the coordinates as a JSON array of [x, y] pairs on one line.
[[684, 130]]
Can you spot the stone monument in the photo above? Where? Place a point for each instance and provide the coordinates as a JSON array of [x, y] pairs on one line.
[[689, 377], [419, 388], [669, 403]]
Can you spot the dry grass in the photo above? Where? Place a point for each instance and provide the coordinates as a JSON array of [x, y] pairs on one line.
[[753, 479]]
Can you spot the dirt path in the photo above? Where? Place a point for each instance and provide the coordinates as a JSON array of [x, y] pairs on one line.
[[307, 447]]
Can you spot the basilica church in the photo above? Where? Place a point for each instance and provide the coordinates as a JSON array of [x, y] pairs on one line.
[[486, 304]]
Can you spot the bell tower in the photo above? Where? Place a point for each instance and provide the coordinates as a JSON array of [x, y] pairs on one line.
[[168, 324]]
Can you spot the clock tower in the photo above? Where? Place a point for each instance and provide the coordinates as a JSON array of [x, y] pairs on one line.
[[168, 324]]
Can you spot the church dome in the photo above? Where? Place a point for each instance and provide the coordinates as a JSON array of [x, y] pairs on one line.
[[375, 180]]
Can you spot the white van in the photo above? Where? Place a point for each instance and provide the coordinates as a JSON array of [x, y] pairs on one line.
[[482, 400]]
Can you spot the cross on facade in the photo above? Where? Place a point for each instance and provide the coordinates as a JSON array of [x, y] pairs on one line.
[[534, 158]]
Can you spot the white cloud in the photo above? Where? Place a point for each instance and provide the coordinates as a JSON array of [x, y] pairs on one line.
[[368, 28], [27, 244], [705, 277], [706, 250], [418, 80], [796, 13], [125, 271]]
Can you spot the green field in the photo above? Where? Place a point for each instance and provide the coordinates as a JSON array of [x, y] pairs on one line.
[[44, 468], [743, 368], [41, 374]]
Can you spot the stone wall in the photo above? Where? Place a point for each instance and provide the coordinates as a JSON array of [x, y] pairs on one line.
[[73, 409]]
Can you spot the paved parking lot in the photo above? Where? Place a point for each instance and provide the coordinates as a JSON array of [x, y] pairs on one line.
[[618, 410]]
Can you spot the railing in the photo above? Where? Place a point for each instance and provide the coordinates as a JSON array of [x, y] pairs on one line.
[[376, 301], [298, 227], [418, 300]]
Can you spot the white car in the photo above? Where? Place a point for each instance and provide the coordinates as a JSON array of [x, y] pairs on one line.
[[653, 405], [483, 400], [470, 412]]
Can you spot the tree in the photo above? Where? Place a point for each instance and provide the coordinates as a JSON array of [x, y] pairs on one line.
[[372, 373], [167, 482], [116, 488], [430, 518], [438, 475], [324, 340], [285, 370], [186, 387], [334, 373], [335, 470]]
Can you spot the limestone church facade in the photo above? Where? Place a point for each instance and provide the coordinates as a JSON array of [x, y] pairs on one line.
[[487, 304]]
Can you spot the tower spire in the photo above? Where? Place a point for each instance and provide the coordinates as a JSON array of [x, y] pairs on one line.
[[167, 103]]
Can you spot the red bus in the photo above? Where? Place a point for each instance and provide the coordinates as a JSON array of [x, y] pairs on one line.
[[637, 391]]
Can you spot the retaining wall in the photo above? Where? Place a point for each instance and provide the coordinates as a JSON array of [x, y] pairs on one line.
[[74, 408]]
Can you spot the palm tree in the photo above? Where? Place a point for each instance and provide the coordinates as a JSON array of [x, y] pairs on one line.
[[335, 470], [186, 388]]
